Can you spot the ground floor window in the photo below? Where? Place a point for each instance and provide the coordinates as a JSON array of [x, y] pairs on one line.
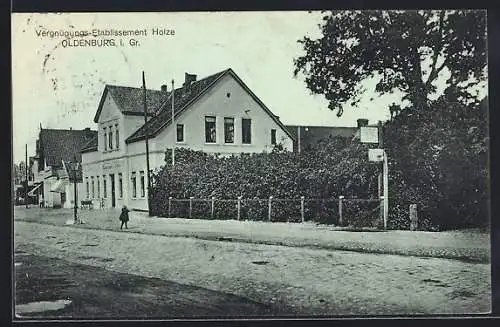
[[104, 187], [98, 187], [87, 184], [134, 185], [120, 185], [143, 192]]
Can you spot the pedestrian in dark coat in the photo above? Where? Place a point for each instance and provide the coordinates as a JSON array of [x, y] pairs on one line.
[[124, 217]]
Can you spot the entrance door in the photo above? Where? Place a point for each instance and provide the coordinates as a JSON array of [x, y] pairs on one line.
[[113, 193]]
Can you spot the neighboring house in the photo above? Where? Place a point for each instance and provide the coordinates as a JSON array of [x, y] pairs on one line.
[[55, 148], [307, 137], [216, 114]]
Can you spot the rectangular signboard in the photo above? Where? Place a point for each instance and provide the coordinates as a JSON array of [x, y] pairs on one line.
[[376, 155], [369, 134]]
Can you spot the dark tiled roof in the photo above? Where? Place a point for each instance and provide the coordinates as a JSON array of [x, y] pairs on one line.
[[181, 99], [130, 100], [90, 146], [314, 134], [61, 144]]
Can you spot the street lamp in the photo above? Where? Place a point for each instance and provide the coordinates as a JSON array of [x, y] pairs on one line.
[[74, 175]]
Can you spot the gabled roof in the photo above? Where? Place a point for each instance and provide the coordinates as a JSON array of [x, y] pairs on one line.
[[130, 100], [62, 144], [181, 100], [184, 100]]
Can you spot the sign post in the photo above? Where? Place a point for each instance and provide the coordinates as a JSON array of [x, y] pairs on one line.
[[385, 172], [370, 134]]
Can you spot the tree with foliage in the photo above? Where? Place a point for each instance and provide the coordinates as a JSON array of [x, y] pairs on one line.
[[403, 50]]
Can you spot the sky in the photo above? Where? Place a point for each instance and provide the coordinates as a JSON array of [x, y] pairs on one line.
[[59, 86]]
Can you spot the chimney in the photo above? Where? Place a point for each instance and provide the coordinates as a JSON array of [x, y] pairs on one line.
[[164, 88], [188, 79], [87, 133], [362, 122], [71, 128]]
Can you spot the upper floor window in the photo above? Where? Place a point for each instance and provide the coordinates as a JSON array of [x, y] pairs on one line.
[[210, 129], [111, 137], [246, 131], [180, 133], [105, 139], [273, 136], [117, 134], [228, 130], [93, 189]]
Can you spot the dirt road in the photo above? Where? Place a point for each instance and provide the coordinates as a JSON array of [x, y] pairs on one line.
[[308, 281], [54, 288]]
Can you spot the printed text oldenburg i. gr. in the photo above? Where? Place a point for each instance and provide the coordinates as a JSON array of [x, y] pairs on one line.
[[88, 43]]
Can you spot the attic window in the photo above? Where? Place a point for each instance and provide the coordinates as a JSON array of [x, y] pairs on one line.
[[228, 94]]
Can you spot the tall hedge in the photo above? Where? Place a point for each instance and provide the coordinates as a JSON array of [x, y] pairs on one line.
[[320, 176]]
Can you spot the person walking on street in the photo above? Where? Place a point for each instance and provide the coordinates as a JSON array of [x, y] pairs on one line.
[[124, 217]]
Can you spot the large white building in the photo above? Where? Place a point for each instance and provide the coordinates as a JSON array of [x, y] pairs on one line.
[[216, 114]]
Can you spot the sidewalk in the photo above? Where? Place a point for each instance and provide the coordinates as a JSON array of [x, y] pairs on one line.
[[473, 246]]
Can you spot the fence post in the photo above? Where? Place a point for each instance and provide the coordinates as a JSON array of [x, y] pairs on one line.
[[212, 209], [340, 209], [413, 217], [302, 208], [169, 206], [190, 206], [239, 207], [269, 211]]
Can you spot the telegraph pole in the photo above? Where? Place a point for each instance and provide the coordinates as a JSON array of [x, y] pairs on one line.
[[147, 144], [75, 207], [384, 210], [298, 139], [174, 128], [26, 168], [381, 166]]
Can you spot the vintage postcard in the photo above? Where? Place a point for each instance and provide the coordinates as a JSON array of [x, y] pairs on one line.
[[255, 165]]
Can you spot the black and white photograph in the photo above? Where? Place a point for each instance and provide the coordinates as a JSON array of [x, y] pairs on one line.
[[250, 165]]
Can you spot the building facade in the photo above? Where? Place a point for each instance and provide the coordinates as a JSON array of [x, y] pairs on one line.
[[55, 149], [216, 114]]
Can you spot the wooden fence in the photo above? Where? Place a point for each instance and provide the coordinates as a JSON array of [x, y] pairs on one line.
[[336, 210]]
